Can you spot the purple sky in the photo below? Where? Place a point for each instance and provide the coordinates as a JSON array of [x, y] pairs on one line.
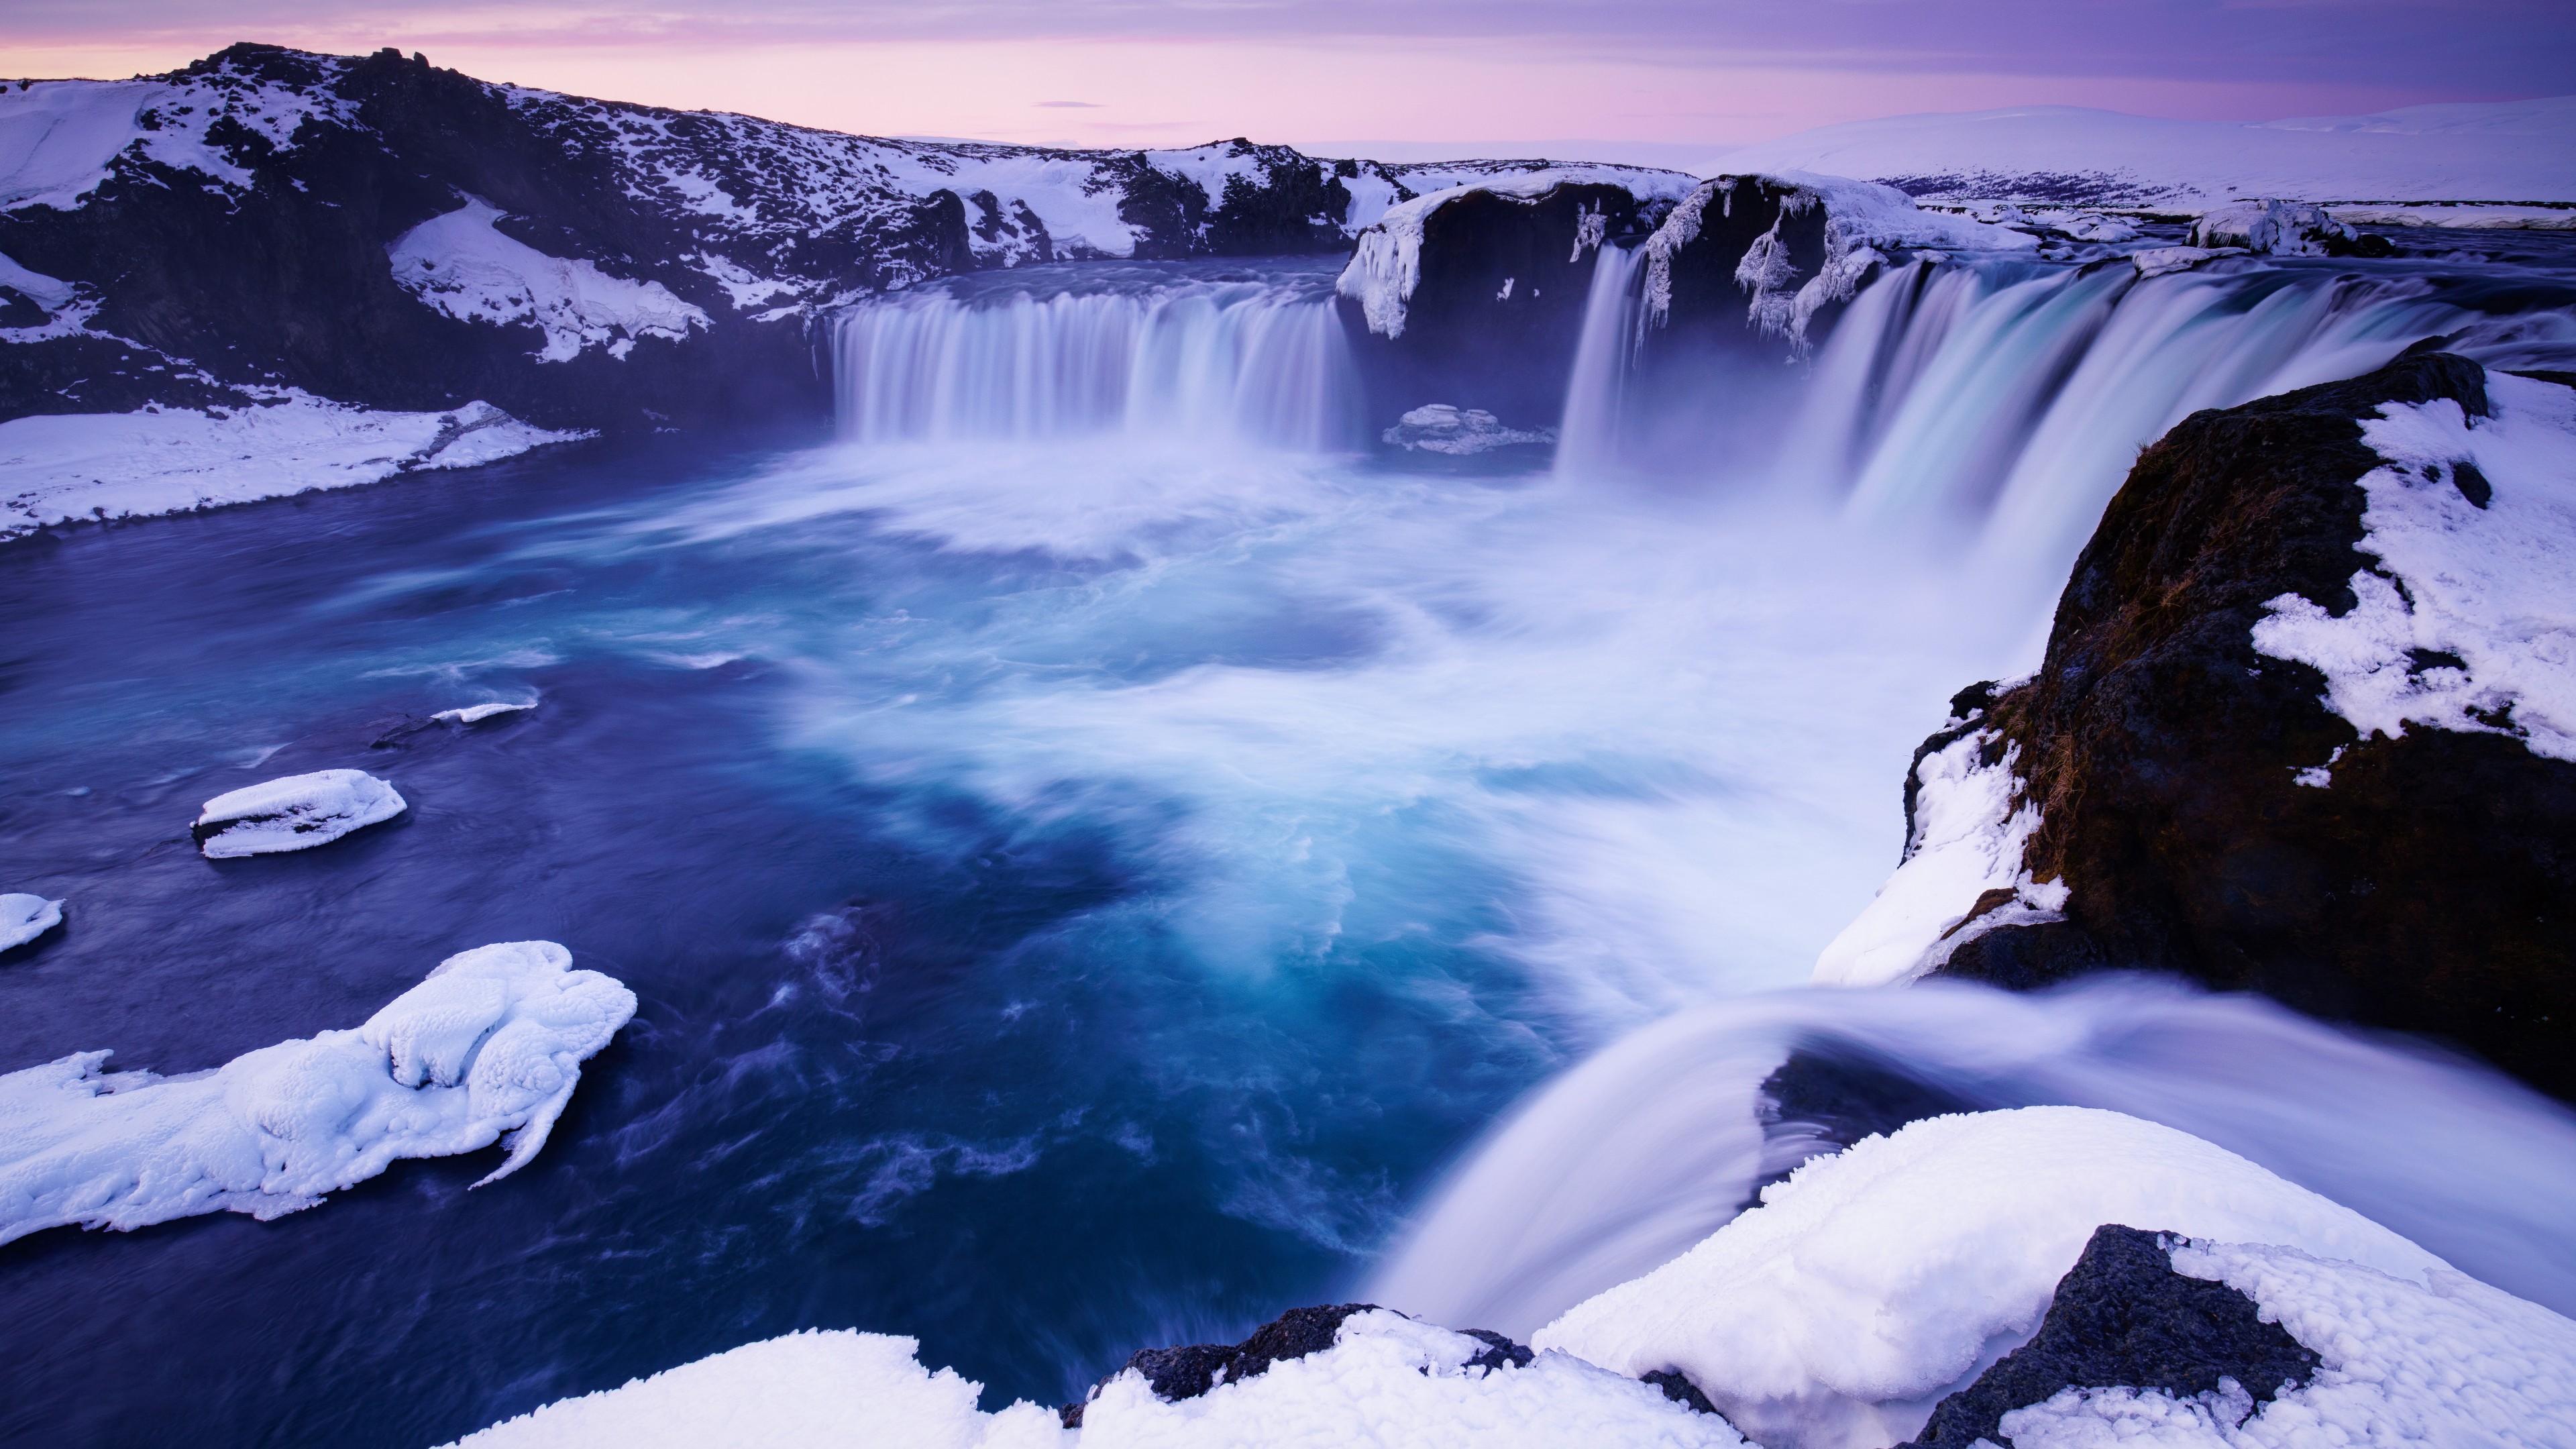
[[1653, 72]]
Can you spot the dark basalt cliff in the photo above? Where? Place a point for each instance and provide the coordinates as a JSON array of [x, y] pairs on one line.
[[1493, 320], [2428, 890]]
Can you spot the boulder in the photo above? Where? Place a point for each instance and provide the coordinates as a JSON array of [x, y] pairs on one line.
[[2306, 725]]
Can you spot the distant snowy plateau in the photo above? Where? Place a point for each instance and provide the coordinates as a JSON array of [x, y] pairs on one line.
[[275, 271]]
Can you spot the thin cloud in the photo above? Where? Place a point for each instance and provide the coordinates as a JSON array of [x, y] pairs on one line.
[[1067, 105]]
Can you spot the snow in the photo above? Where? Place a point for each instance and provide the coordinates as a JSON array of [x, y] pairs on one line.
[[490, 1044], [296, 812], [66, 466], [51, 293], [2157, 261], [1387, 1380], [460, 265], [2511, 151], [477, 713], [1441, 428], [24, 917], [1968, 840], [2447, 1361], [1876, 1281], [59, 140], [2514, 218], [1386, 262], [2467, 621], [1862, 222], [2271, 228]]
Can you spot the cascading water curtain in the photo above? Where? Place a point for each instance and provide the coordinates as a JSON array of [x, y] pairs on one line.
[[1220, 362]]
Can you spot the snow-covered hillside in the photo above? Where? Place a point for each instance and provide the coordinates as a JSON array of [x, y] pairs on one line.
[[2507, 152]]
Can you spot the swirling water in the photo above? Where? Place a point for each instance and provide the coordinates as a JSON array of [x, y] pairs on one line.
[[1088, 860]]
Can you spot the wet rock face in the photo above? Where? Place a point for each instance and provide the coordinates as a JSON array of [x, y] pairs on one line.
[[2426, 890], [1493, 323], [2123, 1318]]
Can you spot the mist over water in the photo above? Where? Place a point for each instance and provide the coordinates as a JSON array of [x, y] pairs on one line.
[[1095, 844]]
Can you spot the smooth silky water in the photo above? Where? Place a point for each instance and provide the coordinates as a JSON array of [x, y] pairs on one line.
[[1092, 844]]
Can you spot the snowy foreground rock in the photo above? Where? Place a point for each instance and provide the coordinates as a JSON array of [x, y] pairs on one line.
[[2054, 1276], [24, 917], [490, 1044], [2306, 725], [296, 812]]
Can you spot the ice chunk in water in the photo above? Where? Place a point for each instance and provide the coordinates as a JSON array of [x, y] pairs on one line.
[[24, 917]]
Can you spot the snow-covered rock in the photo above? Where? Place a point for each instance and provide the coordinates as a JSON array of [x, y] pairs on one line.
[[24, 917], [1873, 1282], [2507, 151], [1440, 428], [489, 1045], [295, 812], [61, 467], [1967, 827], [2163, 261], [1386, 1380], [2467, 621], [2273, 228], [1792, 244], [460, 265]]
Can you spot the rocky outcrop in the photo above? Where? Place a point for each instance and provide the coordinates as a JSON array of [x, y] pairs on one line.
[[2123, 1318], [1474, 298], [2304, 723]]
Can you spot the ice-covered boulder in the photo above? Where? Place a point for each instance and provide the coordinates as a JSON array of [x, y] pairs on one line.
[[1460, 432], [24, 917], [489, 1045], [296, 812], [2274, 228], [1874, 1282], [2306, 725], [2201, 1345]]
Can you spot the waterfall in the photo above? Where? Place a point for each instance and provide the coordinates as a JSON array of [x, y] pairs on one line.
[[1626, 1161], [1604, 356], [2015, 396], [1058, 352]]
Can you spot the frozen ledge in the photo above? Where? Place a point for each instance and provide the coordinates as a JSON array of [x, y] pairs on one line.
[[490, 1044], [62, 467]]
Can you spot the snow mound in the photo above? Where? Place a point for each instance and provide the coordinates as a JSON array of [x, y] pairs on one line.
[[1386, 1380], [460, 265], [2512, 151], [2272, 228], [294, 812], [491, 1043], [61, 467], [477, 713], [24, 917], [1874, 1282], [2445, 1361], [1441, 428], [2468, 620], [1962, 875]]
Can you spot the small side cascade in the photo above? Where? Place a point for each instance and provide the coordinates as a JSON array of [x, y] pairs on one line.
[[1605, 358], [1253, 362]]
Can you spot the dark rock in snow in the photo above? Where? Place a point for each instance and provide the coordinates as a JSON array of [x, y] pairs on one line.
[[2427, 890], [2123, 1318], [1187, 1371], [1680, 1390]]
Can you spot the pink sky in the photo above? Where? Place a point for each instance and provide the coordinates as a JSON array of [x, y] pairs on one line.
[[1661, 72]]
